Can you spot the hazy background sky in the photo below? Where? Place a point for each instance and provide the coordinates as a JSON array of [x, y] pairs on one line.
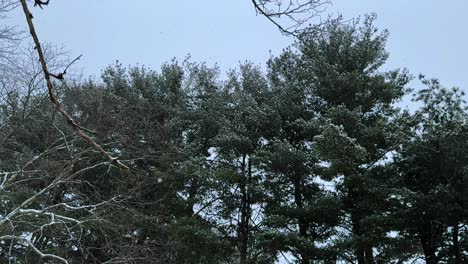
[[425, 36]]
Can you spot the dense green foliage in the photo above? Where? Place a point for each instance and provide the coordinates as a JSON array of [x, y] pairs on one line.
[[311, 161]]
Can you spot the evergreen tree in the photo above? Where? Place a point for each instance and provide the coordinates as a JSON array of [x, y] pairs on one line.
[[301, 216], [432, 169], [354, 103]]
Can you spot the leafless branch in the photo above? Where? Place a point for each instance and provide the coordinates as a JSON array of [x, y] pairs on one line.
[[290, 16], [82, 207], [54, 183], [78, 130], [34, 248], [60, 76]]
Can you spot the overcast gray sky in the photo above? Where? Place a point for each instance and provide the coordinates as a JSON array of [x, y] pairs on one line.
[[425, 36]]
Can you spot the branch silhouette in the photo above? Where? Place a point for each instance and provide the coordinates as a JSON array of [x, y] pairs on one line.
[[58, 106]]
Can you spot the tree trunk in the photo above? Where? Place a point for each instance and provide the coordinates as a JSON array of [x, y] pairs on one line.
[[360, 253], [363, 249], [369, 254], [456, 244], [364, 252], [192, 193], [427, 243], [356, 227], [301, 221], [243, 235]]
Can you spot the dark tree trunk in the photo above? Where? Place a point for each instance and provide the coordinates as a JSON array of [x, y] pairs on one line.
[[301, 221], [356, 225], [456, 244], [192, 193], [363, 248], [360, 256], [369, 254], [427, 243], [243, 235], [360, 252]]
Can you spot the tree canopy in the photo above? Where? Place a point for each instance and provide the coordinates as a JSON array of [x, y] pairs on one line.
[[308, 161]]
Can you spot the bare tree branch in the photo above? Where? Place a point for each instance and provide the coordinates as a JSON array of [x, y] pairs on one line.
[[54, 98], [290, 16], [31, 245]]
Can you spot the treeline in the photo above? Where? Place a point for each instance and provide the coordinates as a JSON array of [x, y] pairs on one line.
[[311, 161]]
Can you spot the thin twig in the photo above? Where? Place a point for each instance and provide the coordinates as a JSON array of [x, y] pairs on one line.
[[61, 75], [73, 61], [268, 16], [296, 13], [35, 249]]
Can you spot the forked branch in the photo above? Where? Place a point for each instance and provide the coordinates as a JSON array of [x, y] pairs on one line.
[[290, 16]]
